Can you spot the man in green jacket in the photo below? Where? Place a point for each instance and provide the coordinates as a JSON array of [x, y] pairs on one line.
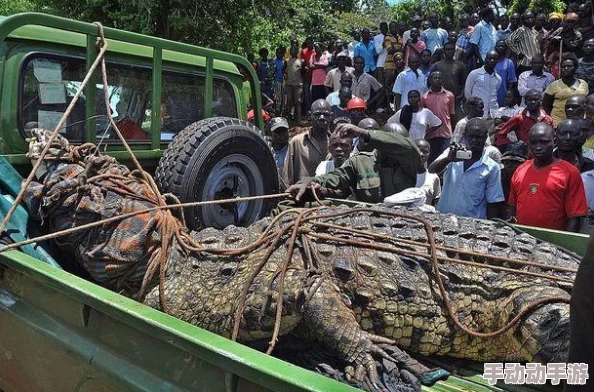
[[390, 166]]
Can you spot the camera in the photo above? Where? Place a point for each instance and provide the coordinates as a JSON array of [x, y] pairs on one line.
[[463, 154]]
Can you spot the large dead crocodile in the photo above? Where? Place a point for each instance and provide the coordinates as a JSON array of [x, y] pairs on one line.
[[356, 293], [352, 291]]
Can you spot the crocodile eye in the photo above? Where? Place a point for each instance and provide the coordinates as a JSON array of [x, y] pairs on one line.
[[343, 269]]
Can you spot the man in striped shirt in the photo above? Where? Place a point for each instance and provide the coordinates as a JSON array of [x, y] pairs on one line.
[[523, 42]]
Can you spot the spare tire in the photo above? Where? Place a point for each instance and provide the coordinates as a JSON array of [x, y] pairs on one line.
[[219, 158]]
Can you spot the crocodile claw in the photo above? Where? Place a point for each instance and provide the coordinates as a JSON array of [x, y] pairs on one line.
[[365, 364]]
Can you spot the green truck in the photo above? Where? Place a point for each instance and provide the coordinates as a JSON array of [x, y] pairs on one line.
[[63, 333]]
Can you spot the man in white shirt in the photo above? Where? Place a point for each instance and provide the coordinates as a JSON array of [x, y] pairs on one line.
[[346, 80], [536, 78], [416, 23], [332, 82], [483, 83], [382, 53], [410, 79]]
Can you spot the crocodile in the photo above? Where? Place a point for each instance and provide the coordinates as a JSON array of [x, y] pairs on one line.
[[356, 297], [354, 280]]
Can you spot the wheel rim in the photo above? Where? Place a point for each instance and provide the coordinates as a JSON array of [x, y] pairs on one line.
[[234, 176]]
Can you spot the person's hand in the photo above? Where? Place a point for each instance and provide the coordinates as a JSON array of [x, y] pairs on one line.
[[351, 131], [297, 191], [454, 148]]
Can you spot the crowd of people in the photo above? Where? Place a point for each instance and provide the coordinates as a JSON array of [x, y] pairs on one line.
[[492, 119]]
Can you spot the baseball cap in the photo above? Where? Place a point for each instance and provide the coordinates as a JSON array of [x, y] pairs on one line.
[[416, 18], [278, 122]]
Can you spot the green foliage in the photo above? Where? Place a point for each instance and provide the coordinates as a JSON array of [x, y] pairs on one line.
[[545, 6], [244, 26]]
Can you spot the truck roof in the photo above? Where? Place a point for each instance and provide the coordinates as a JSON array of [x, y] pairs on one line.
[[66, 37]]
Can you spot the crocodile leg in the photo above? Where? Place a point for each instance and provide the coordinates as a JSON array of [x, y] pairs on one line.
[[331, 321]]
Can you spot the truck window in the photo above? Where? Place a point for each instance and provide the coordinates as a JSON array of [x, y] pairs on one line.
[[48, 87], [182, 101], [50, 82], [129, 91]]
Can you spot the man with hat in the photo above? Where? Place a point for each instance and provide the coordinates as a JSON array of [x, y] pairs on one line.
[[568, 34], [279, 129], [332, 82]]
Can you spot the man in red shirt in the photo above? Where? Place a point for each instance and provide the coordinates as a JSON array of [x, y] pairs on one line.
[[546, 191], [442, 103], [518, 127]]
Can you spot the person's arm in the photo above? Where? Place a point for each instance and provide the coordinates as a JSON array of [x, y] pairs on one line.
[[462, 76], [439, 165], [452, 110], [470, 81], [436, 56], [576, 204], [289, 163], [523, 84], [494, 193], [433, 122], [474, 40], [394, 146], [413, 47], [378, 44], [512, 214], [321, 63], [328, 82], [397, 101], [375, 86], [511, 76], [547, 103], [574, 224], [493, 210], [513, 43]]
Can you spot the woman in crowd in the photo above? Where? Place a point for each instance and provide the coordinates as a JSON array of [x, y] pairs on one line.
[[557, 92], [416, 119]]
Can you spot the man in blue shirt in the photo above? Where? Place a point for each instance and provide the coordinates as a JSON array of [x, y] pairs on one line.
[[484, 37], [366, 49], [434, 37], [471, 187]]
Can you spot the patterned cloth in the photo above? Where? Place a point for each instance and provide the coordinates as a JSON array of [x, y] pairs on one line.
[[523, 41], [389, 42], [115, 255]]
